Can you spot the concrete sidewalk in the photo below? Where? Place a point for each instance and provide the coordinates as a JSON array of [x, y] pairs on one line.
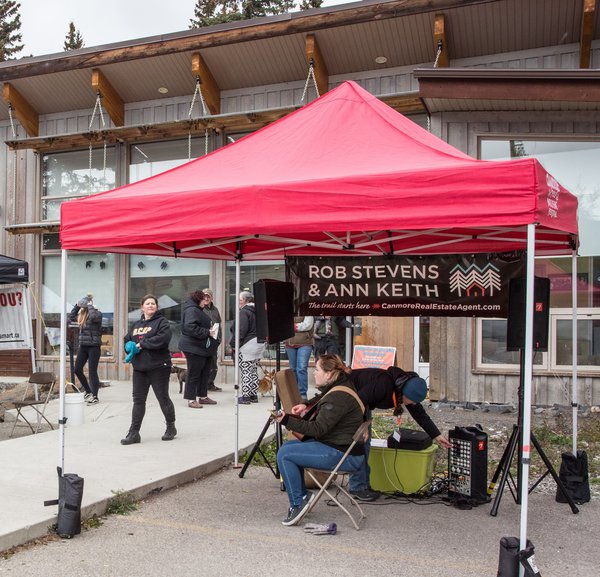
[[205, 443]]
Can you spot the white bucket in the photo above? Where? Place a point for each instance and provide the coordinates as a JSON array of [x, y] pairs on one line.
[[74, 404]]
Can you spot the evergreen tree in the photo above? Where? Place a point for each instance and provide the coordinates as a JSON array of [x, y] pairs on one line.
[[73, 39], [10, 25], [209, 12]]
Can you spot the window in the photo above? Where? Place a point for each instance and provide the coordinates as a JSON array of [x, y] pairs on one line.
[[171, 280], [87, 273], [249, 274], [569, 162], [152, 158], [71, 175]]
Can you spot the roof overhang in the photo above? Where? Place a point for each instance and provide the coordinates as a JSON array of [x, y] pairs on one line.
[[470, 89], [33, 227]]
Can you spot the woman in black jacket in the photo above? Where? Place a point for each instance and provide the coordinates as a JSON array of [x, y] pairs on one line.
[[199, 347], [151, 368], [89, 319]]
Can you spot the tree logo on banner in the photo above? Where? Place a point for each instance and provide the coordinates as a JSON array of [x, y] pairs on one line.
[[474, 280]]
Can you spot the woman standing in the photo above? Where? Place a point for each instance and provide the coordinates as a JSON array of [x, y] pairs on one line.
[[339, 413], [151, 362], [198, 346], [299, 348], [250, 349], [89, 319]]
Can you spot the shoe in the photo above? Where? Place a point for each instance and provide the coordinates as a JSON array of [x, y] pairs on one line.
[[194, 405], [206, 401], [308, 498], [304, 400], [214, 388], [244, 400], [104, 384], [131, 438], [365, 495], [170, 432], [92, 400], [296, 513], [253, 398], [88, 396]]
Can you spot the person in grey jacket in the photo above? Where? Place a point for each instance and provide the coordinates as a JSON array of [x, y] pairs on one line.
[[215, 316], [89, 319], [198, 346]]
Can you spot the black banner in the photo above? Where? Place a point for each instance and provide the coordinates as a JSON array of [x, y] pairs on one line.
[[435, 285]]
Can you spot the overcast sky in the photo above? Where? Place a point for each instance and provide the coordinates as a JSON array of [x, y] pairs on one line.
[[45, 22]]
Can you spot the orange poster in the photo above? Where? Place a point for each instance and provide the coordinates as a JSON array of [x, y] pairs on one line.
[[365, 356]]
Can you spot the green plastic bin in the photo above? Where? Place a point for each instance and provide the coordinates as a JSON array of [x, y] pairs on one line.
[[401, 471]]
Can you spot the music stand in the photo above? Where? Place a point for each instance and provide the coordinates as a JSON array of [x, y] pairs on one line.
[[515, 443]]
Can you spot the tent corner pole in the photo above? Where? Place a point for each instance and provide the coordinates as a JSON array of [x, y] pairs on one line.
[[574, 395], [236, 364], [62, 375], [527, 386]]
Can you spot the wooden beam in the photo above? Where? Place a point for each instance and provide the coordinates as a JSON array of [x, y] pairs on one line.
[[294, 23], [587, 33], [210, 89], [313, 53], [112, 102], [439, 36], [25, 113]]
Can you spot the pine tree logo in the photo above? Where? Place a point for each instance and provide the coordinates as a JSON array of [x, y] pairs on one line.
[[474, 281]]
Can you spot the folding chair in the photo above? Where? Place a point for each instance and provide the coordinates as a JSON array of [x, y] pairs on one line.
[[361, 436], [37, 404]]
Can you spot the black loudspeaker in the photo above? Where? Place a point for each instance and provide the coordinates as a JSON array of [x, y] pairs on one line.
[[274, 301], [515, 328]]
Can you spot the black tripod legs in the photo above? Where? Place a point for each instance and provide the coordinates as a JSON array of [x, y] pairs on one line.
[[257, 449], [503, 471]]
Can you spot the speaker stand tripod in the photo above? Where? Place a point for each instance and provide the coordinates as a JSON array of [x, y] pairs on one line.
[[278, 430], [515, 444]]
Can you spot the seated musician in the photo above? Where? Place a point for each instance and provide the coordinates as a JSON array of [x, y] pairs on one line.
[[326, 432]]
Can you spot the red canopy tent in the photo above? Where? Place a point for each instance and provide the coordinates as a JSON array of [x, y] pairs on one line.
[[345, 174]]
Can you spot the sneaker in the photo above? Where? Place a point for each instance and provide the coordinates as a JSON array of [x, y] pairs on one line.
[[92, 401], [253, 398], [366, 495], [206, 401], [88, 396], [214, 388], [296, 513], [244, 400], [308, 498]]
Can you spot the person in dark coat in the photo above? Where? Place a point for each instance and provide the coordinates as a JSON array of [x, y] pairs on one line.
[[215, 316], [329, 335], [198, 346], [386, 389], [151, 360], [250, 349], [89, 319]]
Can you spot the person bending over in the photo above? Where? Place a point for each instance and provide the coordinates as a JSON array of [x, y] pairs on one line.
[[386, 389], [335, 418]]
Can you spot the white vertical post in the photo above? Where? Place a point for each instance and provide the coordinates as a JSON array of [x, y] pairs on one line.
[[574, 346], [62, 376], [349, 342], [236, 360], [29, 329], [416, 342], [527, 380]]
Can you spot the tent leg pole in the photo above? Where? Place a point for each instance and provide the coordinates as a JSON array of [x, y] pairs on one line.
[[236, 363], [62, 376], [574, 395]]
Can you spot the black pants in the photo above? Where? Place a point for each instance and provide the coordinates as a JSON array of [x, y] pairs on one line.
[[91, 356], [196, 384], [158, 379], [327, 345], [214, 368]]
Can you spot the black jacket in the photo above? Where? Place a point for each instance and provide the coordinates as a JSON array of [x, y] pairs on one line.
[[90, 334], [247, 325], [375, 388], [195, 325], [154, 336]]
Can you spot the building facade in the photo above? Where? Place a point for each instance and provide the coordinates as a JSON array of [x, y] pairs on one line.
[[497, 79]]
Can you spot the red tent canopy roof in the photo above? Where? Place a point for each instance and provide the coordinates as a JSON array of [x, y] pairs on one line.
[[344, 174]]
